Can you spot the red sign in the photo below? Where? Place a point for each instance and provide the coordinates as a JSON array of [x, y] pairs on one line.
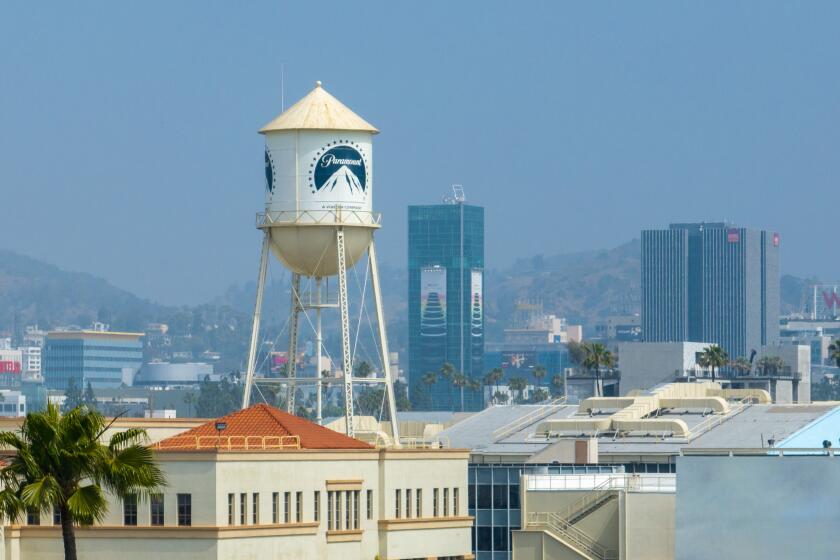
[[831, 299], [9, 367], [775, 240], [733, 236]]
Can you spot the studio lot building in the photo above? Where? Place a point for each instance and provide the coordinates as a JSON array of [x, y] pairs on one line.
[[272, 485]]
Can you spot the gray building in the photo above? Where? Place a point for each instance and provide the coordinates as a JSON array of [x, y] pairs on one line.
[[711, 282]]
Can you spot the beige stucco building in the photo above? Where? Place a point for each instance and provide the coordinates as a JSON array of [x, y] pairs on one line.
[[271, 485]]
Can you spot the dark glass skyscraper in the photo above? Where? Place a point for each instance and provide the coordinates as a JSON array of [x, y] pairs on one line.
[[445, 303], [711, 282]]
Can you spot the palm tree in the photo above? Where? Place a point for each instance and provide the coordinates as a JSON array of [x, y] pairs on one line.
[[189, 400], [539, 372], [429, 378], [447, 371], [557, 384], [459, 381], [596, 356], [493, 377], [834, 351], [741, 365], [61, 465], [713, 357], [518, 384]]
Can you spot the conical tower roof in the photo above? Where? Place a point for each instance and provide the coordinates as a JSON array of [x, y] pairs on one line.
[[318, 110]]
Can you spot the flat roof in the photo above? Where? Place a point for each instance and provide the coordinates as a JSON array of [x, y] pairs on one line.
[[93, 334]]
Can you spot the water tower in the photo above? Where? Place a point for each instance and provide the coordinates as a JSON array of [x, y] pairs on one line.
[[319, 222]]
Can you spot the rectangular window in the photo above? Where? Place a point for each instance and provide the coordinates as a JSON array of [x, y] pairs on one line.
[[156, 510], [243, 508], [33, 517], [419, 509], [370, 504], [275, 507], [185, 510], [446, 502], [56, 516], [398, 504], [130, 510], [408, 502], [255, 508], [337, 512], [299, 507], [287, 507], [357, 504], [348, 509], [435, 500], [330, 506], [455, 501], [231, 509], [316, 506]]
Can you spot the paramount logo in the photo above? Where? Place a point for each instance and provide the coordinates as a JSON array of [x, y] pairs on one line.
[[331, 159]]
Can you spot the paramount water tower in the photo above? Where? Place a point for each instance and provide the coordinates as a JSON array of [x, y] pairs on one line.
[[319, 222]]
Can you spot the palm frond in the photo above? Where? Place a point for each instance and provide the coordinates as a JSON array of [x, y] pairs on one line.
[[87, 504]]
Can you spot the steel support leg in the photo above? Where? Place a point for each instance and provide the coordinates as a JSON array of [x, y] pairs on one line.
[[345, 332], [291, 362], [255, 328], [319, 341], [383, 342]]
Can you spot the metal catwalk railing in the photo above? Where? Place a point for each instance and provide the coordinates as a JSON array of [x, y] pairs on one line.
[[571, 535], [534, 416], [717, 419]]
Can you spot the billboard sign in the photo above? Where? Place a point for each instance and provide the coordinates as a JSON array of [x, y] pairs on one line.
[[9, 366], [733, 235], [522, 361], [433, 302]]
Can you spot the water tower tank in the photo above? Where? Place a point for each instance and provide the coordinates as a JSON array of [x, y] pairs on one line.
[[319, 176]]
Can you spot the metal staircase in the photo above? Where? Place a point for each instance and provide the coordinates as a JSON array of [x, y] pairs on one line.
[[597, 497], [571, 536]]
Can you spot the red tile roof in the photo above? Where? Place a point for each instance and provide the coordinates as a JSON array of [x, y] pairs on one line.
[[260, 428]]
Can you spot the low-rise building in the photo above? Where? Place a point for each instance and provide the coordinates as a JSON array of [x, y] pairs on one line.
[[261, 483], [101, 358]]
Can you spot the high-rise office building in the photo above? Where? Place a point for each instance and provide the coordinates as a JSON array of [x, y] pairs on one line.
[[446, 303], [711, 282], [103, 359]]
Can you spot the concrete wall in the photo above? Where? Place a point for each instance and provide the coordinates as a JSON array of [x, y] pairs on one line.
[[785, 508], [645, 364], [649, 521]]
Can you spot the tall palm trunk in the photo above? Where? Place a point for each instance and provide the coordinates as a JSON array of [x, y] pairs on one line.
[[68, 534]]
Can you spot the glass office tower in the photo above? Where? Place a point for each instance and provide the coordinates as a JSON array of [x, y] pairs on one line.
[[103, 359], [445, 304], [711, 282]]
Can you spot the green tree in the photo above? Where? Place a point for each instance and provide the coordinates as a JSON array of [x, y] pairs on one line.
[[596, 358], [73, 395], [217, 398], [364, 369], [770, 365], [60, 464], [834, 352], [557, 383], [493, 377], [741, 365], [713, 357], [501, 398], [518, 384], [538, 373], [401, 396], [576, 352], [89, 397], [189, 400], [539, 395], [447, 371], [429, 378]]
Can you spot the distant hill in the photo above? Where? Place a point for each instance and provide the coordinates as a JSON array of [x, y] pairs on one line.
[[33, 292]]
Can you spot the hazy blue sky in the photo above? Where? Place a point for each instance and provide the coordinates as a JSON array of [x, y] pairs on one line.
[[128, 143]]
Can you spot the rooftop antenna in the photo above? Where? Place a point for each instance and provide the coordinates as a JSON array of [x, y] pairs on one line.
[[457, 196]]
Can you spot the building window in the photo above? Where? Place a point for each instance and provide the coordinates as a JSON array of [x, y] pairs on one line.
[[348, 507], [231, 509], [370, 504], [287, 507], [435, 496], [357, 504], [156, 510], [398, 504], [130, 510], [185, 510], [255, 508], [500, 541], [337, 511], [299, 507], [419, 508], [243, 508], [275, 507], [330, 508], [33, 517], [316, 506], [446, 502], [408, 502], [56, 516], [455, 501]]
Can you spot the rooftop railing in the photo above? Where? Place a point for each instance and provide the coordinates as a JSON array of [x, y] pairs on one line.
[[319, 217], [228, 443]]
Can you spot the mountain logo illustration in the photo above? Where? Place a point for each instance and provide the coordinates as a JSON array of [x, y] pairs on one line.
[[269, 172], [338, 168]]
